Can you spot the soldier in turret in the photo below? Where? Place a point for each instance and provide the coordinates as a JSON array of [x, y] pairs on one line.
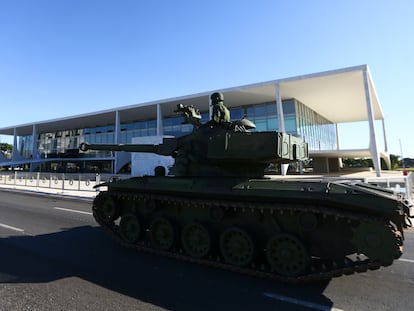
[[221, 115]]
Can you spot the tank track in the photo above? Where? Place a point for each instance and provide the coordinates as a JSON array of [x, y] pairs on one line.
[[319, 269]]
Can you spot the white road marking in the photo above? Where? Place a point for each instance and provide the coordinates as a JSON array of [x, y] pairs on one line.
[[406, 260], [72, 210], [299, 302], [11, 228]]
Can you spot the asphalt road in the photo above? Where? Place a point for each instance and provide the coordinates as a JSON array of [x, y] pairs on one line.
[[54, 257]]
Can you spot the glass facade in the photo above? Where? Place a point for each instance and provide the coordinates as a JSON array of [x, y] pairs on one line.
[[24, 146], [318, 132], [299, 120], [60, 143]]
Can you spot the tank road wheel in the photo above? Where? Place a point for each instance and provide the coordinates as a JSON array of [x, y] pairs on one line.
[[237, 247], [130, 228], [287, 255], [162, 233], [196, 240], [104, 208]]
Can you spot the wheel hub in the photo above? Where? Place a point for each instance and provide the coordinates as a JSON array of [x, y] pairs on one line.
[[196, 240], [237, 247], [130, 228], [287, 255], [162, 233]]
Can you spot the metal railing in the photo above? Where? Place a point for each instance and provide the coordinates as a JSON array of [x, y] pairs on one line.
[[58, 181], [399, 184]]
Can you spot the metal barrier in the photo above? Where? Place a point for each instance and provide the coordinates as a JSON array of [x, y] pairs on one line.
[[399, 184], [69, 182], [410, 186]]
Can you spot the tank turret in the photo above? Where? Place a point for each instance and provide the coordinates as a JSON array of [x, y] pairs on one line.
[[214, 149], [217, 208]]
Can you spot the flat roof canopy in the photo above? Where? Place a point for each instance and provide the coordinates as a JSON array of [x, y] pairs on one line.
[[337, 95]]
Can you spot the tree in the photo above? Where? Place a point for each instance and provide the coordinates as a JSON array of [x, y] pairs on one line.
[[367, 162], [6, 148], [357, 162], [395, 161]]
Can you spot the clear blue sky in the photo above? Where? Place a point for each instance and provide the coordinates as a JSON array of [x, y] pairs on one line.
[[64, 57]]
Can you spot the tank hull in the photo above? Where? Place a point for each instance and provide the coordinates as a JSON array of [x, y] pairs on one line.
[[287, 230]]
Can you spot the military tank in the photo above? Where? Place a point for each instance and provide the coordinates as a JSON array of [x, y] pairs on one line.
[[217, 207]]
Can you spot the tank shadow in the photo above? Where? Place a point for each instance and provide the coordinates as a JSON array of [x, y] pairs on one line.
[[86, 252]]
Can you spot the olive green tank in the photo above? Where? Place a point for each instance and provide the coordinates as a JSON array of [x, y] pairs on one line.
[[216, 207]]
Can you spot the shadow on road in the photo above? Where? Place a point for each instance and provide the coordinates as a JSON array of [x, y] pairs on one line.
[[86, 252]]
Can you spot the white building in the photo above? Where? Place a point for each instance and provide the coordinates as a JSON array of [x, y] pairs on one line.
[[309, 106]]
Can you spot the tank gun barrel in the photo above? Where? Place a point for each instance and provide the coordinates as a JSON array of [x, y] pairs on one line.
[[168, 147]]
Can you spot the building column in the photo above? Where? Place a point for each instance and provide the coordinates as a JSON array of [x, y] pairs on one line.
[[35, 152], [337, 136], [387, 159], [281, 119], [339, 163], [15, 151], [385, 136], [160, 130], [280, 114], [210, 109], [34, 143], [117, 127], [373, 146], [116, 140]]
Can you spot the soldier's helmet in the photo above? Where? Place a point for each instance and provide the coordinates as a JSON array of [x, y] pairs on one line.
[[217, 97]]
